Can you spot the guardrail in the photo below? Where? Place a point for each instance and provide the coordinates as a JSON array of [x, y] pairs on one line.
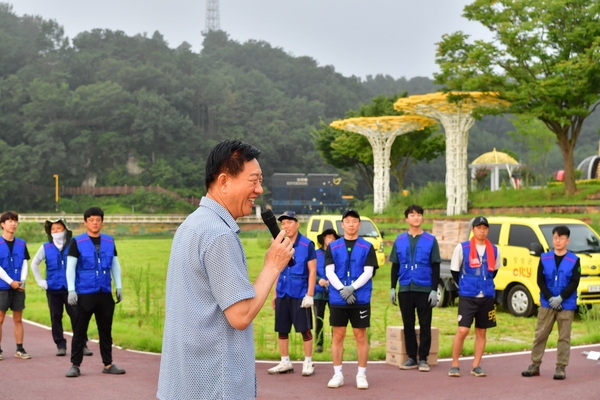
[[109, 219], [133, 218]]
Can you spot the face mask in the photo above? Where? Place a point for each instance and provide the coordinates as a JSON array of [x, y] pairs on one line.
[[59, 239]]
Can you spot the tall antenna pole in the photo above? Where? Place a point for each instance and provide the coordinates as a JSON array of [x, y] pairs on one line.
[[213, 21]]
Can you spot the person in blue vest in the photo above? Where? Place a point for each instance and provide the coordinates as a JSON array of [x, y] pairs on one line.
[[13, 272], [322, 287], [92, 264], [474, 265], [54, 253], [350, 263], [558, 277], [415, 259], [293, 297]]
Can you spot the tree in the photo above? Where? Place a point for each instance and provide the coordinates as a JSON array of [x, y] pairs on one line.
[[544, 59], [536, 138]]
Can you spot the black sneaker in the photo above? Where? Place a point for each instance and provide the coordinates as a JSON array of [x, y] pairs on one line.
[[87, 352], [61, 352], [113, 369], [73, 372], [409, 364]]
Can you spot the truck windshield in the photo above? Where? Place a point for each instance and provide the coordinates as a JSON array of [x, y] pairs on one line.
[[583, 239], [367, 229]]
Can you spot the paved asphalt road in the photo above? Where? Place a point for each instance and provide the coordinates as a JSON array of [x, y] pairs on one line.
[[43, 377]]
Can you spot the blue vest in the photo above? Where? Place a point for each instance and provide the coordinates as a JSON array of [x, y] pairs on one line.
[[348, 269], [472, 281], [320, 269], [56, 266], [293, 280], [12, 263], [93, 268], [415, 267], [557, 279]]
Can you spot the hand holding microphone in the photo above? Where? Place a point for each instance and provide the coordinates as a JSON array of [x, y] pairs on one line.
[[269, 219]]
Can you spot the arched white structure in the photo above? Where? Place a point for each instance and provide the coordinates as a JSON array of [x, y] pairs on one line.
[[456, 115], [381, 133]]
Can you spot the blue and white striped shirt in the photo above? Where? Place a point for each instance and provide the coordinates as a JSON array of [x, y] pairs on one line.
[[203, 356]]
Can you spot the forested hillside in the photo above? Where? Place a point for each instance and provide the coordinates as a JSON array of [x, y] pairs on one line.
[[107, 109]]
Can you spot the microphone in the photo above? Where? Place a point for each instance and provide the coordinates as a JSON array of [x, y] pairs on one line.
[[271, 222]]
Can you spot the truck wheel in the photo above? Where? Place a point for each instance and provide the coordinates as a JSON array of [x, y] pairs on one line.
[[443, 295], [519, 301]]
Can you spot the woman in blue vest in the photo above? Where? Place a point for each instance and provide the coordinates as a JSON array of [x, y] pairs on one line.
[[558, 277], [54, 253], [13, 272]]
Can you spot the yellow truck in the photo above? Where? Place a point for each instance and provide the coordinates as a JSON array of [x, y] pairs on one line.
[[521, 241], [368, 230]]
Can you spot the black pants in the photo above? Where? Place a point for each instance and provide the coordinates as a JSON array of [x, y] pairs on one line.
[[102, 306], [320, 306], [57, 303], [409, 303]]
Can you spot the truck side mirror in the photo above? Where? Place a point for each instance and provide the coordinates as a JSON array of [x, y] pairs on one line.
[[382, 233], [535, 249]]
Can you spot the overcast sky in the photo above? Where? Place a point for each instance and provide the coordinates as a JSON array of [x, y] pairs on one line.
[[357, 37]]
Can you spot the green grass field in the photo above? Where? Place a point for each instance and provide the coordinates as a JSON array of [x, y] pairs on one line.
[[139, 318]]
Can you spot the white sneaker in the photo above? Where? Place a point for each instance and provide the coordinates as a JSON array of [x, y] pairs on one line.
[[336, 381], [307, 368], [284, 367], [361, 382]]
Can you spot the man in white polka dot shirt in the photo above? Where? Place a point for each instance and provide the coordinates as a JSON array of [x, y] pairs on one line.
[[208, 343]]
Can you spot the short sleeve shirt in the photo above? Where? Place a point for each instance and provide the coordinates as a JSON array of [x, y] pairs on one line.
[[203, 356]]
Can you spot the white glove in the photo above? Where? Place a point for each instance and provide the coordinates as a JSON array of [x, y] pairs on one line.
[[43, 284], [307, 302], [72, 299], [433, 298]]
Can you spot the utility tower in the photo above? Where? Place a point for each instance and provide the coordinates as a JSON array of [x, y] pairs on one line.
[[213, 21]]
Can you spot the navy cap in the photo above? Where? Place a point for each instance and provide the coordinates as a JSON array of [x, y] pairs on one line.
[[288, 215], [351, 213], [480, 221]]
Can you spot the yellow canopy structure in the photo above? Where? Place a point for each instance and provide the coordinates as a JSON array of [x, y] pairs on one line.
[[381, 133], [494, 160], [455, 112]]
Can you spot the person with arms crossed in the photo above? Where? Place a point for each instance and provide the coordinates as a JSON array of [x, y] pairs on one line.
[[92, 264], [474, 265], [13, 272], [415, 259], [208, 342], [55, 252], [293, 297], [559, 272], [350, 264], [322, 286]]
